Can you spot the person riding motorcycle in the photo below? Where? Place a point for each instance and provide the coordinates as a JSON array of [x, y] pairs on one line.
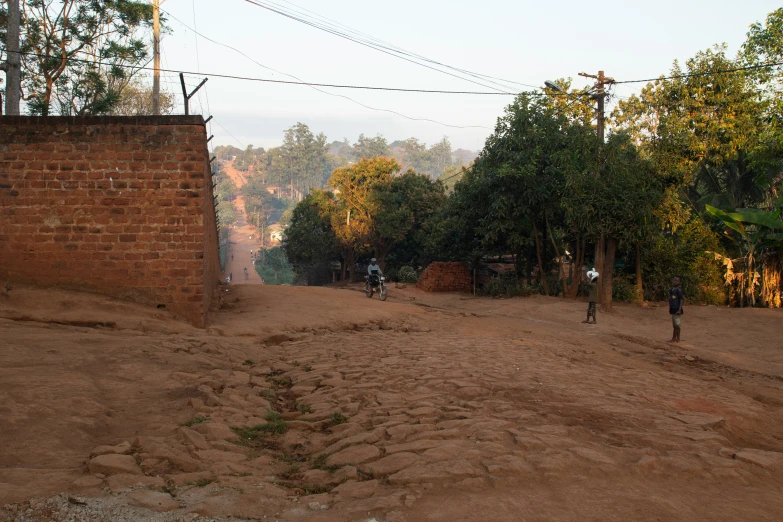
[[374, 271]]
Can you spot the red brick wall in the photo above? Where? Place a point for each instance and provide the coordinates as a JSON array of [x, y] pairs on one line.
[[115, 205], [445, 277]]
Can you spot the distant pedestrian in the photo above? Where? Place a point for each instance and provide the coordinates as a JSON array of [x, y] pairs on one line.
[[592, 291], [676, 300]]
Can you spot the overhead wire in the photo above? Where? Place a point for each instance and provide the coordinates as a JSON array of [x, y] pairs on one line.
[[403, 51], [229, 133], [705, 73], [198, 66], [364, 43], [315, 86]]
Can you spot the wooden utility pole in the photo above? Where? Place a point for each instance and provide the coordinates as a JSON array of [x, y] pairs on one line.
[[607, 246], [599, 97], [13, 64], [156, 52]]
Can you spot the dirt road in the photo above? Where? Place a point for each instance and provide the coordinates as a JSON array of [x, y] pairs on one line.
[[243, 238], [425, 407], [243, 243]]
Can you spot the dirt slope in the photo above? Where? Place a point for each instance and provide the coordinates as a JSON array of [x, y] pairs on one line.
[[425, 407]]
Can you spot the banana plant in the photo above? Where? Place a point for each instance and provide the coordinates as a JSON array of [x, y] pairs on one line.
[[754, 231]]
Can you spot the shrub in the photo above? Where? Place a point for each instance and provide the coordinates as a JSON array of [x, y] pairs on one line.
[[624, 290], [507, 286], [407, 274], [392, 274]]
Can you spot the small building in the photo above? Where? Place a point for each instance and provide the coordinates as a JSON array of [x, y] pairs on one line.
[[276, 233]]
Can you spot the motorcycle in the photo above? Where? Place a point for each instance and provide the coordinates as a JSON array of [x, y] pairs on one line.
[[374, 284]]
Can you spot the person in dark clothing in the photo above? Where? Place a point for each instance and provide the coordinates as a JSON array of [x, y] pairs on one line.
[[592, 291], [676, 300]]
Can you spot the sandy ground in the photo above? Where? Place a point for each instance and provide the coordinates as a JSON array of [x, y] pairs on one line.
[[428, 407]]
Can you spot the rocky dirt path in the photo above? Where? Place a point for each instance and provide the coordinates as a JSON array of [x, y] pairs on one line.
[[421, 408]]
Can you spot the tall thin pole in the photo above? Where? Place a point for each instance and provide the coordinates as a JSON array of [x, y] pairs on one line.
[[600, 96], [13, 67], [156, 51]]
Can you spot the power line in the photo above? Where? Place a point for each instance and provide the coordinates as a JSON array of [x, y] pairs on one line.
[[403, 51], [313, 86], [706, 73], [452, 176], [365, 43], [309, 84], [235, 138]]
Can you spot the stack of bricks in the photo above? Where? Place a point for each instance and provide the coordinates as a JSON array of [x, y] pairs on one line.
[[445, 277], [120, 206]]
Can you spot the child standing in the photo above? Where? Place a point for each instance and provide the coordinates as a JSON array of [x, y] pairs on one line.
[[676, 300], [592, 290]]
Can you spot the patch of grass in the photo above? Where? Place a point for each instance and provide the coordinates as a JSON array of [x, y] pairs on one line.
[[275, 425], [282, 381], [314, 489], [295, 363], [249, 362], [170, 490], [337, 418], [289, 458], [204, 481], [241, 474], [273, 416], [269, 394], [320, 463], [307, 368], [195, 420], [304, 408]]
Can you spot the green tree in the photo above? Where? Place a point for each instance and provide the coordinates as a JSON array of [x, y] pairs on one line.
[[413, 154], [352, 219], [411, 201], [400, 211], [136, 100], [309, 239], [441, 157], [753, 231], [79, 55], [274, 268], [369, 147]]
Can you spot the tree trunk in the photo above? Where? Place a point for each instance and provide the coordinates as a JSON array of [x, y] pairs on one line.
[[541, 271], [560, 268], [611, 249], [639, 284], [575, 269], [599, 265], [351, 266], [47, 98], [528, 266]]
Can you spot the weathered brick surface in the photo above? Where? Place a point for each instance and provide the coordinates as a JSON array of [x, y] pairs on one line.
[[445, 277], [115, 205]]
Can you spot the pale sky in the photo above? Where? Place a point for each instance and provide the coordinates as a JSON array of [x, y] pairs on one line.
[[523, 41]]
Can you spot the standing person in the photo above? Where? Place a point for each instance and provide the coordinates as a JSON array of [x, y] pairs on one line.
[[676, 300], [592, 292]]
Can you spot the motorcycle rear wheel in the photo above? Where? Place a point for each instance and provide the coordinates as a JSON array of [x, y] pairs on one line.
[[368, 291]]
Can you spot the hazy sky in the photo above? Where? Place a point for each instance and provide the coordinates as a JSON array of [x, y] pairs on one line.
[[527, 42]]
